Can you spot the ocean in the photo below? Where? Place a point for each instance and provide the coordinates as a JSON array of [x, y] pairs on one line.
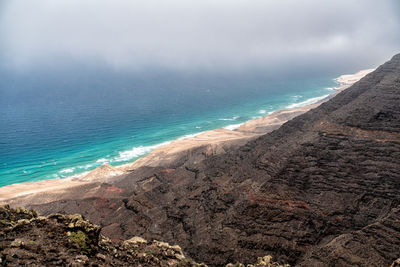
[[65, 122]]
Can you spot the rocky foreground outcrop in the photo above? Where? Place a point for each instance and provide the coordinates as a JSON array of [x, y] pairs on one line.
[[322, 190], [68, 240]]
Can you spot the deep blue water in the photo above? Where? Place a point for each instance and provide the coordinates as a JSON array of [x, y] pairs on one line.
[[63, 122]]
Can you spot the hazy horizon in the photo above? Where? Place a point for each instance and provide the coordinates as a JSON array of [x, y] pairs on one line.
[[213, 36]]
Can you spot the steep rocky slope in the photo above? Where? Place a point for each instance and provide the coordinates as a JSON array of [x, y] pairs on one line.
[[322, 190]]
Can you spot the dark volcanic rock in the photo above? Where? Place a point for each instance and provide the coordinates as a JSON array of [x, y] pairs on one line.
[[69, 240], [322, 190]]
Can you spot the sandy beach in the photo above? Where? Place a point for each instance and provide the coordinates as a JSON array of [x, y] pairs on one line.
[[194, 148]]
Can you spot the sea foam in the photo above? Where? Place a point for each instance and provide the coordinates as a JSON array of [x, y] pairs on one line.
[[307, 102], [136, 152], [68, 170], [233, 126], [102, 160], [230, 119]]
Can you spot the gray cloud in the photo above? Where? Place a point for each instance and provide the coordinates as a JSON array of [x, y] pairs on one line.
[[203, 34]]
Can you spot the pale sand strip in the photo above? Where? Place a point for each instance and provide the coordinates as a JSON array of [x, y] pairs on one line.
[[213, 142]]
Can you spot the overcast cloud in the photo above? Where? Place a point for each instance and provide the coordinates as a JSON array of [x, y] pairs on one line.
[[203, 34]]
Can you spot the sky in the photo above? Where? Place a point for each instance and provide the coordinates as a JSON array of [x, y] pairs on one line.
[[198, 34]]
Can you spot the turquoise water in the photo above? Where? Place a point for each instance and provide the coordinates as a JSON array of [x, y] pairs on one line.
[[67, 122]]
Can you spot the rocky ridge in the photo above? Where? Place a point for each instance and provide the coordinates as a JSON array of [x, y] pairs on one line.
[[69, 240], [28, 239]]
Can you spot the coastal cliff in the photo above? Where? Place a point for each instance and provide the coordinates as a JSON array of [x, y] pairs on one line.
[[322, 190]]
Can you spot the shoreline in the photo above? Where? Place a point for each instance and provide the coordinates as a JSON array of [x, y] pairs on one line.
[[210, 142]]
